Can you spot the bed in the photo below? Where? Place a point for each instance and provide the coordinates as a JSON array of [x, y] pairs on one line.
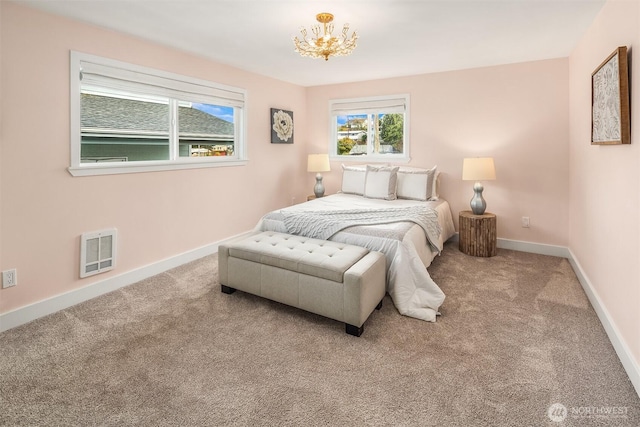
[[409, 231]]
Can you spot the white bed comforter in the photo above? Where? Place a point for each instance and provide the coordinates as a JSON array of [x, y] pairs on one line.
[[404, 244]]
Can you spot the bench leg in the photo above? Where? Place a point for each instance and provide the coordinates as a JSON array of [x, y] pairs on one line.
[[379, 306], [354, 330], [227, 289]]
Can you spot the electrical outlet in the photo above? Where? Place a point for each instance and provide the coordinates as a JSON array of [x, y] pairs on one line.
[[525, 221], [9, 278]]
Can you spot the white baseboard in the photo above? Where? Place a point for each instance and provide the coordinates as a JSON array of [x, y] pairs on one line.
[[629, 364], [534, 248], [56, 303]]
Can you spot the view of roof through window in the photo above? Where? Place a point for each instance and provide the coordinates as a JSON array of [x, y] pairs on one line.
[[120, 127]]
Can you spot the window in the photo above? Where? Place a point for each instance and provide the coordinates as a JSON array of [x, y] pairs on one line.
[[127, 118], [375, 128]]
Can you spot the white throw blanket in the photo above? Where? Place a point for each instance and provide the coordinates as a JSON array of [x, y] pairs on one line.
[[324, 224]]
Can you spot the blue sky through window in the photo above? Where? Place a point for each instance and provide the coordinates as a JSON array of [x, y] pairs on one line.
[[344, 119], [224, 113], [341, 120]]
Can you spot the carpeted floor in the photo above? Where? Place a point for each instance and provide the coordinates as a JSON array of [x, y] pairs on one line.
[[516, 335]]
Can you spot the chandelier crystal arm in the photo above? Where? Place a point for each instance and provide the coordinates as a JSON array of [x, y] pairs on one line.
[[316, 30], [345, 30], [328, 29]]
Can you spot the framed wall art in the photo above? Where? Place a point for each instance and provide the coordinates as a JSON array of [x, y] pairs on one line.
[[610, 122], [281, 126]]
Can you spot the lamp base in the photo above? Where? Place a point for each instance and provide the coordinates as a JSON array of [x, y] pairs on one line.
[[478, 205], [318, 189]]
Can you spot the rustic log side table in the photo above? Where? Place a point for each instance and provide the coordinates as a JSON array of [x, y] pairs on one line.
[[477, 234]]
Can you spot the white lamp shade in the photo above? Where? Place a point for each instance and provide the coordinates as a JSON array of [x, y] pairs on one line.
[[318, 163], [478, 169]]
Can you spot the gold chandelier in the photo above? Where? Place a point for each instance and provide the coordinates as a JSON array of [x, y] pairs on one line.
[[324, 45]]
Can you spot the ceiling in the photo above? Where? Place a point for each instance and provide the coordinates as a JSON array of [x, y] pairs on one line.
[[396, 37]]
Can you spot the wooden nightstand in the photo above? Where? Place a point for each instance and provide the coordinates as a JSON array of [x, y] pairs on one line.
[[477, 234], [312, 197]]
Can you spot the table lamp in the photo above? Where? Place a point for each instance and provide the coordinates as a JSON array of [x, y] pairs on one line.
[[318, 163], [478, 169]]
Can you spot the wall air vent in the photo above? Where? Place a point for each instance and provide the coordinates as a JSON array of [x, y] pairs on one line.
[[97, 252]]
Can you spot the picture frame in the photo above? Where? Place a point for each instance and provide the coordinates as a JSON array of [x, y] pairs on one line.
[[281, 126], [610, 116]]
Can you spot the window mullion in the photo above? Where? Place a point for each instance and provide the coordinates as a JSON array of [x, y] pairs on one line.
[[238, 150], [371, 135], [174, 140]]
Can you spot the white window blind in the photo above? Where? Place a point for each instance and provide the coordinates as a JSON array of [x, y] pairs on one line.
[[369, 106], [157, 83]]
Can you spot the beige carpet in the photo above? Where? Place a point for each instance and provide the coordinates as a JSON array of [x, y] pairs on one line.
[[516, 335]]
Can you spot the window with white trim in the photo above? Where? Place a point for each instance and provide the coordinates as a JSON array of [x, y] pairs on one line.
[[373, 128], [128, 118]]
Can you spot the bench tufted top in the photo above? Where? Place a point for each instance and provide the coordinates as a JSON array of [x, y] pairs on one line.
[[318, 258]]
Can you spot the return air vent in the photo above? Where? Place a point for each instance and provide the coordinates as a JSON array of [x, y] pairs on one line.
[[97, 252]]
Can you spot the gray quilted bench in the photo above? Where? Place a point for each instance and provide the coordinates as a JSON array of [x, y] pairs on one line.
[[335, 280]]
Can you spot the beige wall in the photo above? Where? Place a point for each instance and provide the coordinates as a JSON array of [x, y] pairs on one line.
[[158, 215], [605, 180], [517, 114]]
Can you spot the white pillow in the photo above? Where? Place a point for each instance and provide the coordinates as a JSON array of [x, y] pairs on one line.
[[353, 179], [416, 184], [435, 192], [380, 182]]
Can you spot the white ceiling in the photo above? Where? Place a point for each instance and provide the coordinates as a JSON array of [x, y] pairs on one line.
[[396, 37]]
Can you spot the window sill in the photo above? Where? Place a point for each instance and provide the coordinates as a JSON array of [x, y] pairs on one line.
[[371, 159], [139, 167]]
